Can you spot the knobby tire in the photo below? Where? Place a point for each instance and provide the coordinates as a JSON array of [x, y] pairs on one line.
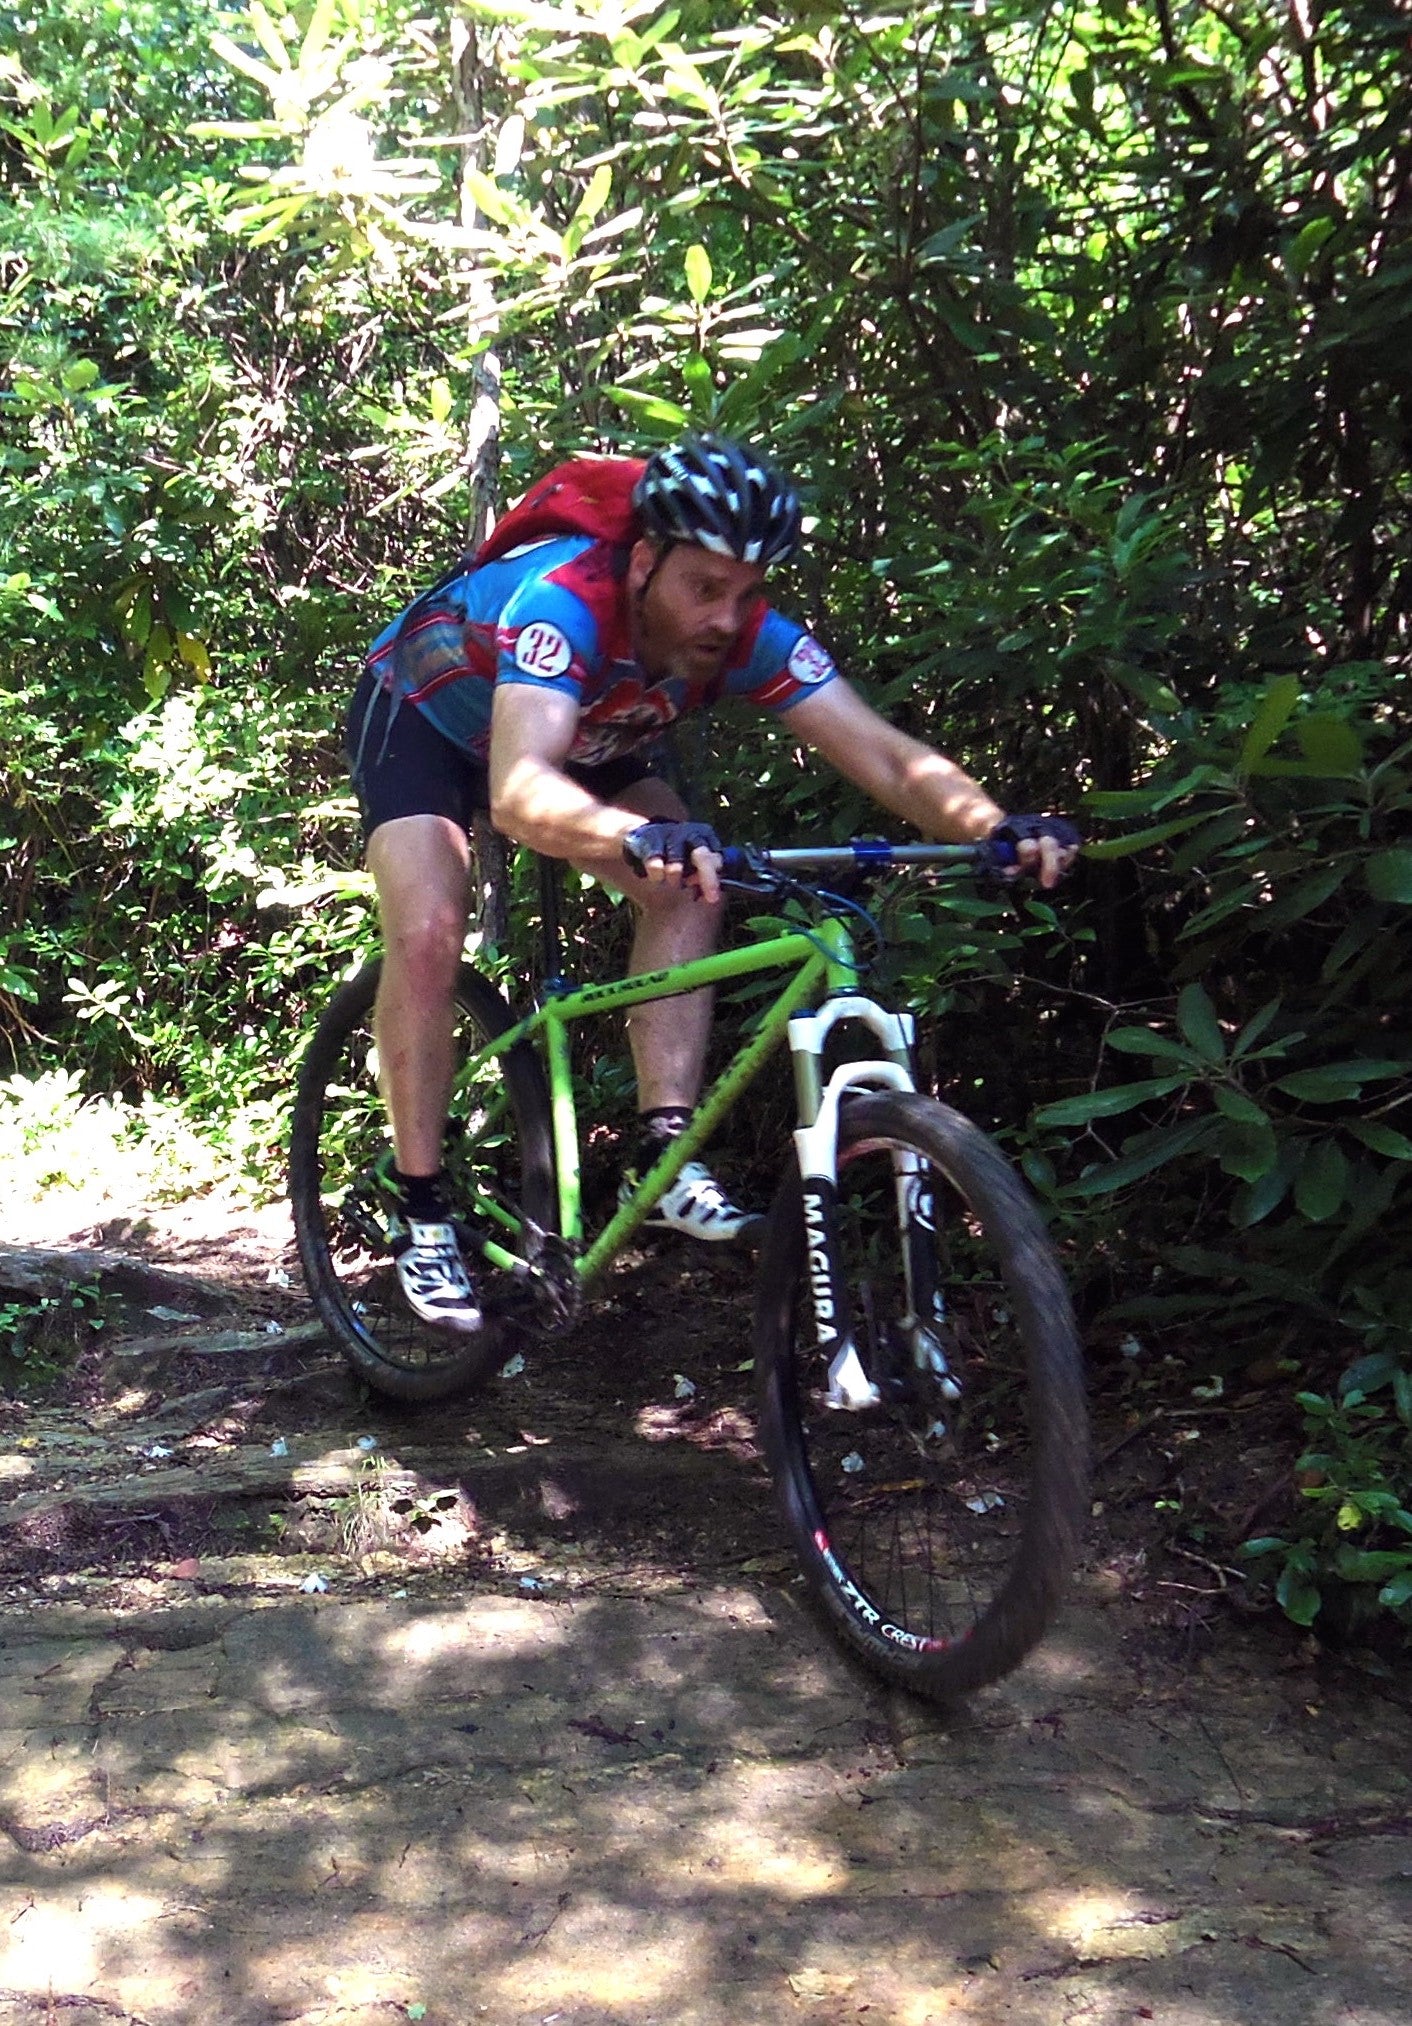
[[340, 1131], [975, 1528]]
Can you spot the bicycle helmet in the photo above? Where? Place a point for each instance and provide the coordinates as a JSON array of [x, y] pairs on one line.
[[722, 496]]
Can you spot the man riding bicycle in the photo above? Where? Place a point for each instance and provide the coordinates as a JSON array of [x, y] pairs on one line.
[[530, 685]]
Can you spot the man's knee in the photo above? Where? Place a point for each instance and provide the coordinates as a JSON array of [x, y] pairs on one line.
[[424, 948]]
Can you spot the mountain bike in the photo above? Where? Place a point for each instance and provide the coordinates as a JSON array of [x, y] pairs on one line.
[[919, 1376]]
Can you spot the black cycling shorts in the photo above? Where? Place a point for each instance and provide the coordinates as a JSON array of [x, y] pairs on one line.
[[417, 771]]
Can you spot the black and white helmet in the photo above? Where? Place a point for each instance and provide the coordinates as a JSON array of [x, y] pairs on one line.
[[722, 496]]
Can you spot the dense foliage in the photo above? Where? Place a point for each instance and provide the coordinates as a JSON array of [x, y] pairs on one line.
[[1090, 334]]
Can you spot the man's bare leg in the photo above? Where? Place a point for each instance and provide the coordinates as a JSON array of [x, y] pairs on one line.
[[421, 865], [669, 1037]]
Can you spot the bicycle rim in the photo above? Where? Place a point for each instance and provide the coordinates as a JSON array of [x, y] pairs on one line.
[[498, 1158], [935, 1526]]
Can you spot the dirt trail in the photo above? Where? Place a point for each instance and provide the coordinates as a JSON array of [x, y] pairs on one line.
[[312, 1711]]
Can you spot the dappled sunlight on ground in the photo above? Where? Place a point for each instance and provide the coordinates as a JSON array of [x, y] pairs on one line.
[[677, 1809]]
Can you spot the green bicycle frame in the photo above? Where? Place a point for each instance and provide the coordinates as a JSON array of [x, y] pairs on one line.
[[822, 962]]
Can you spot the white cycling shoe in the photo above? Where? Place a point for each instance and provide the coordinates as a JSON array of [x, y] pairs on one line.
[[697, 1206], [435, 1283]]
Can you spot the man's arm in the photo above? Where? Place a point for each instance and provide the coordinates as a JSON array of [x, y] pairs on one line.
[[912, 780], [531, 798]]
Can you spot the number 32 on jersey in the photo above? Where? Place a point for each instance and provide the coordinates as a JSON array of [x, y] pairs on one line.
[[542, 650]]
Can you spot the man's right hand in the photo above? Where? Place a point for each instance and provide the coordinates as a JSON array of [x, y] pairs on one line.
[[1045, 846], [685, 854]]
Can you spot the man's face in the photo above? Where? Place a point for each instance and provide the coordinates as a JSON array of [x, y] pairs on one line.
[[692, 609]]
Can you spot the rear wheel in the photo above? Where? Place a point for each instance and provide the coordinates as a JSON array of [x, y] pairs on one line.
[[499, 1157], [937, 1525]]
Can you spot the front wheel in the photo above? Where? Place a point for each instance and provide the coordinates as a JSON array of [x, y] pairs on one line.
[[499, 1159], [937, 1514]]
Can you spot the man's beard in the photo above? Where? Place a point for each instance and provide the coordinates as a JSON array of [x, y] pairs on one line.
[[693, 661]]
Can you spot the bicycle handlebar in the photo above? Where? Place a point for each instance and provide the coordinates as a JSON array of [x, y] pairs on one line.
[[873, 854]]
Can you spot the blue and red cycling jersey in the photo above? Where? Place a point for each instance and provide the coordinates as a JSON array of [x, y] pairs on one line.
[[554, 615]]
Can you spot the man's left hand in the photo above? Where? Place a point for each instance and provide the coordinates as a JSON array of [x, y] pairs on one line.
[[1045, 846]]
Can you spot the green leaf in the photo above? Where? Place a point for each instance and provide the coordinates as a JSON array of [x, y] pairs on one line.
[[1143, 1041], [268, 36], [440, 399], [194, 653], [1329, 743], [943, 244], [1102, 1104], [1299, 1598], [1253, 1204], [1371, 1565], [1230, 826], [1154, 797], [590, 204], [1331, 1082], [1153, 694], [1367, 1375], [698, 273], [1389, 876], [1254, 1027], [510, 146], [1196, 1017], [1382, 1139], [1302, 899], [1236, 1105], [1143, 1155], [488, 197], [317, 34], [1302, 249], [1266, 1544], [1139, 840], [1322, 1182], [1275, 711], [1039, 1171], [1248, 1151], [239, 59], [650, 407]]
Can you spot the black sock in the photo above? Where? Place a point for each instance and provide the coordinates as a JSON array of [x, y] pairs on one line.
[[422, 1195], [656, 1128]]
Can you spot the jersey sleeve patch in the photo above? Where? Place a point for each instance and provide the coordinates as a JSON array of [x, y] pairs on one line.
[[542, 650], [809, 663]]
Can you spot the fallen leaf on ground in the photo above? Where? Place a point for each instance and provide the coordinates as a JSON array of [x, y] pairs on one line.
[[820, 1983]]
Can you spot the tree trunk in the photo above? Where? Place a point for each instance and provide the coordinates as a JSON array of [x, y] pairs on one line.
[[470, 69]]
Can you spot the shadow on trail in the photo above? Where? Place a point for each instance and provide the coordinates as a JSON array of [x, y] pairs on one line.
[[675, 1809], [608, 1809]]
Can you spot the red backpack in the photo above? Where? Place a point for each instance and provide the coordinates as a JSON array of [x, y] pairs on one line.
[[586, 496]]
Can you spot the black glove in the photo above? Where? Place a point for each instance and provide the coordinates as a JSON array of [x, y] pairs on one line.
[[671, 842], [1017, 830]]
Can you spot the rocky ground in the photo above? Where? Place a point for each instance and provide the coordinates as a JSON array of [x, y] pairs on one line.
[[317, 1710]]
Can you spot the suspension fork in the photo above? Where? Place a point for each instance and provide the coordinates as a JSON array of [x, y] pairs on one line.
[[850, 1386]]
